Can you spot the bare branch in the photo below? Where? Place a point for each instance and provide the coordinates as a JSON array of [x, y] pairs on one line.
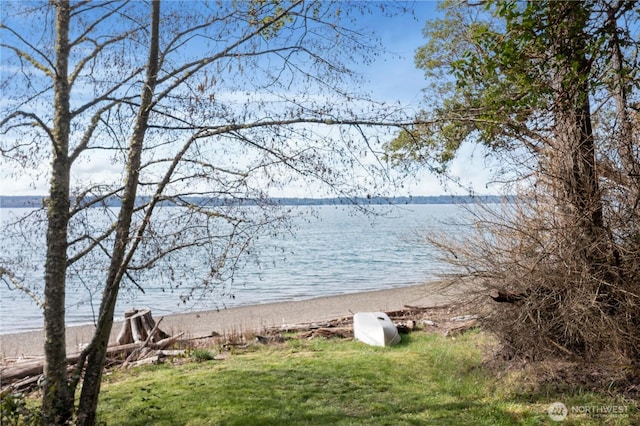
[[88, 133], [37, 121], [106, 96], [77, 207], [207, 131], [82, 37], [9, 278], [49, 71], [95, 242], [190, 68], [96, 51]]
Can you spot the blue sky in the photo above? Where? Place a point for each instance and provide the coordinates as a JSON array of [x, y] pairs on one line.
[[395, 77], [392, 78]]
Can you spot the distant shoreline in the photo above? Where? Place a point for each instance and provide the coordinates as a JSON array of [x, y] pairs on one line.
[[36, 201]]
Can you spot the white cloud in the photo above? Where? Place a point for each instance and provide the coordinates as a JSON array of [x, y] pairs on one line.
[[393, 79]]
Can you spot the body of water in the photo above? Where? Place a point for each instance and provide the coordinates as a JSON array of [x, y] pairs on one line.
[[333, 251]]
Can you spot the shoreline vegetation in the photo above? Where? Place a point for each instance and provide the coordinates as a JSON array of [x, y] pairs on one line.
[[35, 201]]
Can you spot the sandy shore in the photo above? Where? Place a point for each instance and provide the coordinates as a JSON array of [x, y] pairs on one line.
[[245, 318]]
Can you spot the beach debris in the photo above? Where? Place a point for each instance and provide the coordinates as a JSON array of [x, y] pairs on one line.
[[151, 357], [462, 328], [463, 318], [140, 341], [22, 370], [406, 327], [139, 326], [265, 340], [338, 332], [288, 328]]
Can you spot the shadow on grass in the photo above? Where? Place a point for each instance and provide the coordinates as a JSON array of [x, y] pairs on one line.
[[425, 380], [339, 393]]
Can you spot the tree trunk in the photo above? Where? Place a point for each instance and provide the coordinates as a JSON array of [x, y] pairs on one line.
[[574, 164], [57, 399], [98, 347]]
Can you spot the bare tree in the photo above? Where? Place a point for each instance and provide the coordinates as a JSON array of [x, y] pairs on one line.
[[204, 107]]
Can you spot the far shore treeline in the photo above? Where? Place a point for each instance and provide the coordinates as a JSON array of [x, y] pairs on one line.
[[21, 201]]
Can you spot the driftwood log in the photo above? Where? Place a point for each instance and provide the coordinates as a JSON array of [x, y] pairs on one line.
[[138, 327], [131, 349], [340, 332]]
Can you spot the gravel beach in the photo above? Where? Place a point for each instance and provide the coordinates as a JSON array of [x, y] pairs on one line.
[[246, 318]]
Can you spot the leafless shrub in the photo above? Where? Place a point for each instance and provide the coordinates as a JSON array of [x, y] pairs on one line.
[[563, 295]]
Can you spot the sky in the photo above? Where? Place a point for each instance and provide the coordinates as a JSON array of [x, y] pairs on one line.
[[398, 78], [392, 77]]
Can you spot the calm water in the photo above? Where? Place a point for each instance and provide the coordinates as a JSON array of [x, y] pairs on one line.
[[336, 251]]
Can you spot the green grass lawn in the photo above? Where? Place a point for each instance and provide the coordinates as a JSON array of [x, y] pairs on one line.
[[426, 380]]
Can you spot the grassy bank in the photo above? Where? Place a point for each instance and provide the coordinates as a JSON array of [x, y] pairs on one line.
[[428, 379]]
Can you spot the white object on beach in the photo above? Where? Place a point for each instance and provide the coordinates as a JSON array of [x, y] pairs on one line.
[[375, 328]]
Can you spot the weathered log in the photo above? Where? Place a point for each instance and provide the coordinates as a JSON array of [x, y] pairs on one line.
[[35, 368], [138, 326], [143, 361], [407, 311], [129, 347], [270, 339], [341, 332], [163, 353], [464, 318], [136, 354], [21, 379], [125, 335], [462, 328], [24, 384], [161, 344], [27, 384], [137, 331], [21, 370], [287, 328]]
